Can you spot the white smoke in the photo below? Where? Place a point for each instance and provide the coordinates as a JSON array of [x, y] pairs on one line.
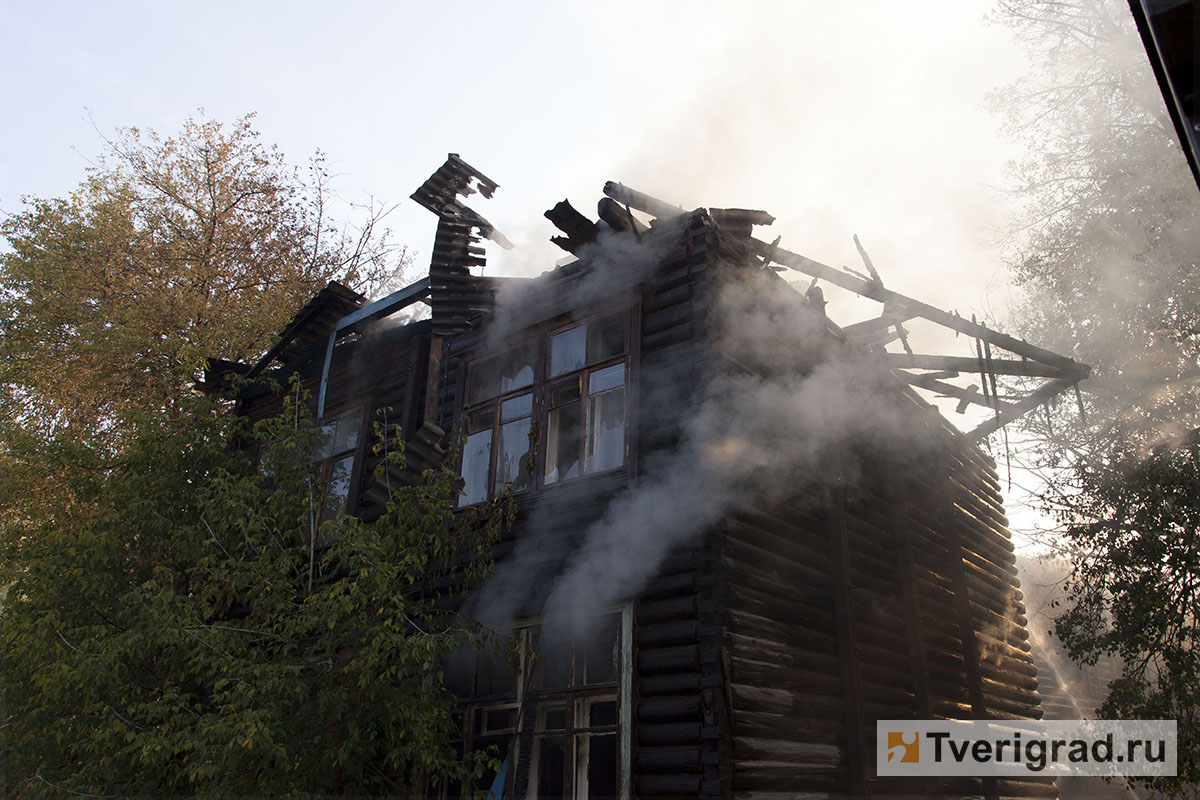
[[791, 414], [783, 411]]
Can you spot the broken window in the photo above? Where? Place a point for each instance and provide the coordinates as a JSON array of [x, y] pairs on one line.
[[496, 451], [565, 710], [569, 383], [585, 429]]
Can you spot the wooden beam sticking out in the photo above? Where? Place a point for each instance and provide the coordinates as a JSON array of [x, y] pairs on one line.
[[914, 308], [618, 217], [928, 381], [1015, 410], [642, 202], [1000, 366], [579, 229]]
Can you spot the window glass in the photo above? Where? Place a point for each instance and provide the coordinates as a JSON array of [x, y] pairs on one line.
[[568, 351], [502, 374], [346, 436], [554, 719], [553, 666], [519, 406], [551, 772], [607, 378], [516, 370], [606, 437], [600, 652], [511, 465], [480, 420], [564, 433], [601, 714], [601, 766], [337, 436], [606, 338], [339, 487], [484, 381], [477, 459], [494, 675]]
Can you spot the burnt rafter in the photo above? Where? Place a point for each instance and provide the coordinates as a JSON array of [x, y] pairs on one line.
[[455, 294], [926, 371], [1034, 362]]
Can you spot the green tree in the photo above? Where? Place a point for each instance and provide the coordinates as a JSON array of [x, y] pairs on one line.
[[1106, 258], [171, 251], [178, 632], [1136, 587]]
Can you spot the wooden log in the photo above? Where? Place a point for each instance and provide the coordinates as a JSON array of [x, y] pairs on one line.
[[668, 659], [667, 633], [618, 217], [669, 708], [655, 760], [675, 683], [671, 733], [677, 585], [668, 785], [676, 608]]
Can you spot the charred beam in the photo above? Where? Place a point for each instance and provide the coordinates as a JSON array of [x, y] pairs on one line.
[[579, 229], [1015, 410], [915, 308], [642, 202], [618, 217], [1028, 369]]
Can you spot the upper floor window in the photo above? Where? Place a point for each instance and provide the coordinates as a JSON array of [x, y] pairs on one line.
[[585, 424], [334, 457], [569, 383]]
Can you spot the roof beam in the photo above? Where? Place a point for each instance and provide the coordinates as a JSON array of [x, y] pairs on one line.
[[1068, 368]]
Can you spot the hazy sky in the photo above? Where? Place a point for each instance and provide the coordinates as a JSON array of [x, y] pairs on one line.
[[836, 117]]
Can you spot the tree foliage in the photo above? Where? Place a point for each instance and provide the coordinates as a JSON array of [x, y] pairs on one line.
[[1107, 261], [1107, 251], [1136, 587], [179, 632], [171, 251]]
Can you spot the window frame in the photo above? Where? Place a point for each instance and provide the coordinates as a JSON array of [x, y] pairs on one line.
[[542, 386], [325, 463], [574, 699]]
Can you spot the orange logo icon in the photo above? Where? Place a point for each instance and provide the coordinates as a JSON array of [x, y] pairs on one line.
[[903, 748]]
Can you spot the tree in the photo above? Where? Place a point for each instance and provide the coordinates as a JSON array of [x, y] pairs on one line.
[[1106, 253], [180, 631], [171, 251], [1136, 587], [1107, 260]]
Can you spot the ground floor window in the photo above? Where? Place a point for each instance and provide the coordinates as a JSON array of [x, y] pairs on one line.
[[558, 719]]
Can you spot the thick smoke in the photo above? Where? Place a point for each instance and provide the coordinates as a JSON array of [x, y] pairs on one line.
[[787, 416], [784, 412]]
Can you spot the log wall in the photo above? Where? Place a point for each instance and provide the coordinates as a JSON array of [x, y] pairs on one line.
[[893, 599]]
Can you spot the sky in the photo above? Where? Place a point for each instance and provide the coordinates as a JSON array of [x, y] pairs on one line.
[[862, 117], [837, 118]]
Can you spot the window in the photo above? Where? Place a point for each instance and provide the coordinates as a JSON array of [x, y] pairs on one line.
[[495, 454], [569, 705], [334, 456], [571, 383]]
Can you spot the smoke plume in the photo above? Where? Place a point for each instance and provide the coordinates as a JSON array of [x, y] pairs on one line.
[[788, 412]]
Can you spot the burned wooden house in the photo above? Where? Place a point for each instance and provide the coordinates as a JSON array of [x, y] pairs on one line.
[[746, 634]]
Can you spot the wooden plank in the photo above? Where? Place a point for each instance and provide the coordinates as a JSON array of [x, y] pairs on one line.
[[970, 647], [856, 733]]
